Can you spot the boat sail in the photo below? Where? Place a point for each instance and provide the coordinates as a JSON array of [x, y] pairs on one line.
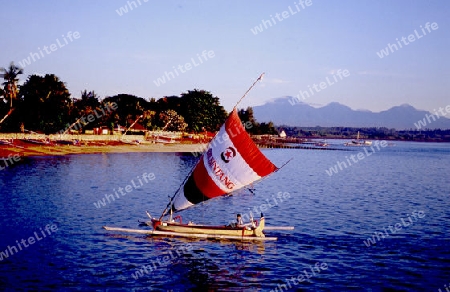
[[231, 162]]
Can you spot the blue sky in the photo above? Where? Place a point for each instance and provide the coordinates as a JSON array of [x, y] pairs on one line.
[[127, 53]]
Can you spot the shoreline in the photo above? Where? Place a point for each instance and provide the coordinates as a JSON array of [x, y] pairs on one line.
[[23, 148], [15, 145]]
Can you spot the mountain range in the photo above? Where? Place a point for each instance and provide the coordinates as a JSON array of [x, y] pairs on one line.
[[283, 111]]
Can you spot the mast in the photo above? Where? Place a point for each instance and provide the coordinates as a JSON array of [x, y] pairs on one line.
[[76, 122], [132, 125], [245, 94]]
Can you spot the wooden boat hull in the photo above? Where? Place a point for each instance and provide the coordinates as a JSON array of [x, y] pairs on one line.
[[34, 141], [215, 231], [210, 230]]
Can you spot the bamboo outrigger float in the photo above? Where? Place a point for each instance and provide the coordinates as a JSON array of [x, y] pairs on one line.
[[231, 162]]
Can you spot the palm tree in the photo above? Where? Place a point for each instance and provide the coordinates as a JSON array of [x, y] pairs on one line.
[[10, 85]]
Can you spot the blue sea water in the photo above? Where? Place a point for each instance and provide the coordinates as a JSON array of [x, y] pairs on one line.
[[398, 196]]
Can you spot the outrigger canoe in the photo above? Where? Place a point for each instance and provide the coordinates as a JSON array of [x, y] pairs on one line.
[[231, 161], [190, 228]]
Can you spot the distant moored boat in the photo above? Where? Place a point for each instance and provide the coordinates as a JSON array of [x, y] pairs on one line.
[[358, 142]]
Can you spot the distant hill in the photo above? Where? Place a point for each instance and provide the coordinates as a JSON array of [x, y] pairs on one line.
[[281, 112]]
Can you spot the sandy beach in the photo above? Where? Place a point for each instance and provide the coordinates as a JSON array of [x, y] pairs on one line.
[[23, 148]]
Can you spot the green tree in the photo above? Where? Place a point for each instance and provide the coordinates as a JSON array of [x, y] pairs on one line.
[[171, 121], [149, 120], [168, 103], [256, 128], [129, 108], [10, 84], [86, 105], [202, 111], [46, 104], [267, 128], [247, 116]]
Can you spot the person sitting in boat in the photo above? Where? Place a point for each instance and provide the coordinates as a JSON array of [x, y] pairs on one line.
[[239, 221]]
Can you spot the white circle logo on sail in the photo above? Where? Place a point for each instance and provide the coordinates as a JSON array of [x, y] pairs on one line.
[[228, 154]]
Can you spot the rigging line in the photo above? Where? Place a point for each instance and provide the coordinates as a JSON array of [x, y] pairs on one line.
[[178, 190], [284, 164], [171, 199], [267, 176], [245, 94]]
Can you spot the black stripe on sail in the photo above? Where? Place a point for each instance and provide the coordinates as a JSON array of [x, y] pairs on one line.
[[192, 193]]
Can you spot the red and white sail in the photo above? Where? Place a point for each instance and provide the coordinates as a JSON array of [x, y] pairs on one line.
[[232, 161]]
